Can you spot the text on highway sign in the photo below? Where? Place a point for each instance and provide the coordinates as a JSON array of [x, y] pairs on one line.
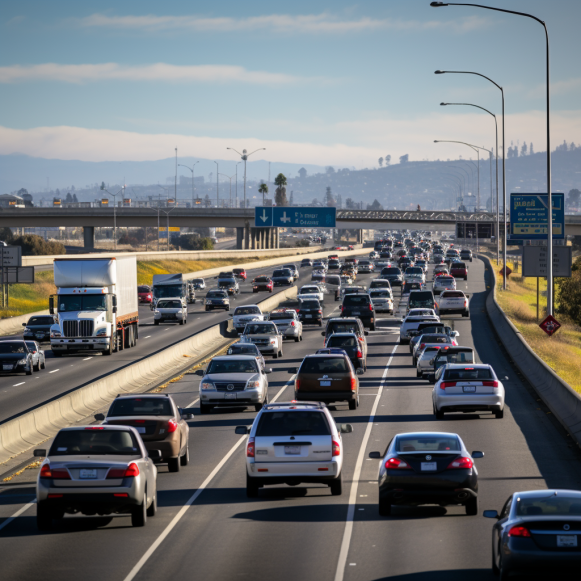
[[529, 216], [294, 217]]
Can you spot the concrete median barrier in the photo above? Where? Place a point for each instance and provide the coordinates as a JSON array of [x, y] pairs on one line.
[[33, 428], [563, 401]]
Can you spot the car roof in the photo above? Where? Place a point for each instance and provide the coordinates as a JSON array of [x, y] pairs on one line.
[[230, 357], [344, 334], [326, 355], [430, 434], [140, 395], [108, 427], [294, 405], [472, 366], [246, 306], [543, 493]]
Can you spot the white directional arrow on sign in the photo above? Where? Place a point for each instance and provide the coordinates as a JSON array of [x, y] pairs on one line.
[[285, 218], [264, 217]]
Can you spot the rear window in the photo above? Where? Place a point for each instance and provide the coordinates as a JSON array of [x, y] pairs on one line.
[[141, 406], [337, 327], [280, 316], [140, 289], [462, 357], [324, 365], [262, 279], [458, 265], [307, 290], [380, 284], [247, 311], [452, 295], [549, 505], [338, 341], [427, 443], [310, 305], [391, 270], [333, 279], [282, 272], [468, 374], [421, 298], [243, 349], [435, 339], [292, 423], [356, 300], [94, 442], [380, 293]]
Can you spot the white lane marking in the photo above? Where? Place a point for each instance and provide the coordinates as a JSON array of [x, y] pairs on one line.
[[340, 573], [147, 337], [87, 358], [17, 514], [194, 496], [17, 384], [54, 371]]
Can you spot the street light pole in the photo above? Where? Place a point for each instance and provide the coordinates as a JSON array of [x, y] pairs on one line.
[[229, 178], [217, 190], [114, 211], [192, 170], [496, 163], [550, 298], [468, 176], [237, 164], [244, 156]]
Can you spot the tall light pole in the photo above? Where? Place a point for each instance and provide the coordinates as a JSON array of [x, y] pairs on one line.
[[237, 164], [458, 183], [176, 182], [550, 298], [192, 170], [496, 163], [244, 156], [217, 190], [122, 190], [229, 178], [469, 176]]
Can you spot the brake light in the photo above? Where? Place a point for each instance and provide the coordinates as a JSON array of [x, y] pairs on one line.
[[298, 310], [463, 462], [353, 384], [131, 471], [297, 384], [59, 473], [397, 464], [172, 426], [341, 308], [336, 449], [292, 324], [490, 383], [519, 532], [422, 345], [94, 428], [371, 306], [446, 384], [120, 495], [250, 448], [138, 421], [359, 354]]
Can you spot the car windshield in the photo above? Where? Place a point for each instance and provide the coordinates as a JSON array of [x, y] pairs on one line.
[[260, 329], [356, 300], [143, 289], [161, 291], [216, 295], [141, 406], [40, 321], [427, 443], [380, 284], [468, 374], [342, 341], [95, 442], [68, 303], [281, 316], [550, 505], [169, 305], [12, 347], [243, 349], [434, 339], [292, 423], [323, 365], [247, 311], [462, 357], [232, 366], [31, 346]]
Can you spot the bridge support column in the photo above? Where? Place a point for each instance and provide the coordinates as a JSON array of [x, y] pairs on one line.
[[359, 236], [262, 233], [246, 244], [89, 237], [239, 238]]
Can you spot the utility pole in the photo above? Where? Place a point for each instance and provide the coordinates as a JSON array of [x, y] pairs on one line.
[[175, 185]]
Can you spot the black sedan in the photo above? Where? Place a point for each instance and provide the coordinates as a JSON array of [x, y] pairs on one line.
[[38, 328], [282, 277], [537, 531], [15, 357], [427, 468]]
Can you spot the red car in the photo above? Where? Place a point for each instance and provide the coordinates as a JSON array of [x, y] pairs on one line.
[[459, 270], [144, 294], [350, 247], [262, 283], [239, 273]]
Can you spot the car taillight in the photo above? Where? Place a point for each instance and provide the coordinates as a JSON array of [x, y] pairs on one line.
[[60, 473], [297, 384], [353, 384], [360, 339], [293, 324], [463, 462], [359, 354], [250, 448], [336, 449], [371, 306], [131, 471], [397, 464], [446, 384], [298, 310], [519, 532], [490, 383], [341, 308], [172, 426], [422, 345]]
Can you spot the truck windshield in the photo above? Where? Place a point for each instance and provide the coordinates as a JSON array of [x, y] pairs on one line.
[[69, 303], [167, 290]]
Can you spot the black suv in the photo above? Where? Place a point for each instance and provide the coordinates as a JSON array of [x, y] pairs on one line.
[[466, 254], [393, 274], [310, 311], [359, 305]]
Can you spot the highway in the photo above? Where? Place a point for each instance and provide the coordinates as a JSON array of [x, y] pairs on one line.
[[207, 528]]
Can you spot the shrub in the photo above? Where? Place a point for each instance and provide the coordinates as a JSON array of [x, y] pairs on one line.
[[33, 245], [303, 242], [193, 242]]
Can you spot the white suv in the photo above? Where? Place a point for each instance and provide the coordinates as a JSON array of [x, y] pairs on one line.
[[294, 442]]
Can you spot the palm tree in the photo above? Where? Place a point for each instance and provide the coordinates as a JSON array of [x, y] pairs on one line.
[[280, 192], [263, 189]]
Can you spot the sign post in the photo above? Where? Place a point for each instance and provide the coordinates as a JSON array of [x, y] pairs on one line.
[[11, 258], [294, 217]]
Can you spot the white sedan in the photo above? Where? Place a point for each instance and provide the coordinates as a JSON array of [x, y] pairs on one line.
[[453, 301], [311, 291], [467, 388], [443, 283], [170, 311]]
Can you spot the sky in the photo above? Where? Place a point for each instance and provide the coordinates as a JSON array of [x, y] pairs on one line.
[[327, 83]]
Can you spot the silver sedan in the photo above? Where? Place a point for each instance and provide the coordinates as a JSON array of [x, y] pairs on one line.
[[38, 358]]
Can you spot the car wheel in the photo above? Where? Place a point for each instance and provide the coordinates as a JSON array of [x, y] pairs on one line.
[[181, 321], [43, 517], [495, 569], [173, 464], [353, 404], [258, 406], [472, 507], [185, 459], [372, 327], [139, 514], [37, 368], [156, 322], [153, 506], [499, 414], [297, 339], [384, 507], [251, 487], [204, 409], [503, 572], [29, 370], [439, 415], [275, 355], [414, 362], [227, 308], [42, 365], [418, 373], [336, 486]]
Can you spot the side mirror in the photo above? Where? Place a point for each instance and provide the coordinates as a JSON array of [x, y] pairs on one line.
[[154, 454], [359, 371], [40, 453], [241, 430], [366, 333], [323, 333], [455, 334], [24, 324], [100, 417], [375, 455], [115, 309], [200, 372], [476, 455], [50, 306], [269, 370], [346, 428], [490, 514]]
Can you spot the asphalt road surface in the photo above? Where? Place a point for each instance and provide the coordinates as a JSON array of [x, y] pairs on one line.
[[206, 527]]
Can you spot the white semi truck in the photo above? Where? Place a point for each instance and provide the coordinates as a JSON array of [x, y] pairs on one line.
[[96, 304]]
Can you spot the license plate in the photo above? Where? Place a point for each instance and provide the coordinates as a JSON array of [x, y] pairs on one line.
[[140, 430], [566, 540], [292, 450], [426, 466], [469, 388], [229, 396], [325, 384], [39, 335], [308, 316], [356, 312], [87, 474], [6, 367]]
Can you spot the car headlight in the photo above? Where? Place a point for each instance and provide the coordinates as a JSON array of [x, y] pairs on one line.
[[253, 385], [156, 312], [273, 341], [27, 330], [208, 302], [206, 385], [22, 362], [101, 332], [55, 334]]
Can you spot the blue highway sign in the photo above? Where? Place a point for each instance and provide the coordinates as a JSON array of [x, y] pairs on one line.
[[294, 217], [529, 216]]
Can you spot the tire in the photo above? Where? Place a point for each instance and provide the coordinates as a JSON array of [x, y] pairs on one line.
[[29, 372], [414, 362], [418, 374], [173, 464], [495, 569], [251, 487], [181, 321], [384, 507], [499, 414], [258, 406], [227, 308], [43, 365], [204, 409], [139, 514], [37, 368], [297, 339], [336, 486], [156, 323], [275, 355], [185, 459], [152, 509], [472, 507], [57, 354], [372, 327], [43, 517], [439, 415], [186, 321], [206, 309], [110, 350]]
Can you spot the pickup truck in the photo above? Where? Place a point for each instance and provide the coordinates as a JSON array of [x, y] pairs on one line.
[[266, 336], [412, 322]]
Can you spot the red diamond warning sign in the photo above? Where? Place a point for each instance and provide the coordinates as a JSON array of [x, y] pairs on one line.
[[550, 325]]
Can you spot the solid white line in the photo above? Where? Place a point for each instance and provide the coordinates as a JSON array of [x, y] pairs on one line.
[[54, 371], [147, 337], [17, 514], [359, 464], [87, 358], [17, 384]]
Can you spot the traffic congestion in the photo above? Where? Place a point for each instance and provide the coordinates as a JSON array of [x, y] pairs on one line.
[[371, 387]]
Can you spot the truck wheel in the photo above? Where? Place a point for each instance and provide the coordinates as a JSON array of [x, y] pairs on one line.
[[173, 464], [57, 354], [120, 341]]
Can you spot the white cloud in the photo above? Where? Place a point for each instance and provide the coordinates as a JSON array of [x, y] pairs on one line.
[[155, 72], [276, 23]]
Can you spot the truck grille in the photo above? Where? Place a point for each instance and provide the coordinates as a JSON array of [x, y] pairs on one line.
[[224, 386], [82, 328]]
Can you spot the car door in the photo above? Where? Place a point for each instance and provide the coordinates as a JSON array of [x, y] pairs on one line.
[[497, 531]]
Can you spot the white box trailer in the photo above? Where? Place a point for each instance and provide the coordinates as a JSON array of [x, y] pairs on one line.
[[96, 303]]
